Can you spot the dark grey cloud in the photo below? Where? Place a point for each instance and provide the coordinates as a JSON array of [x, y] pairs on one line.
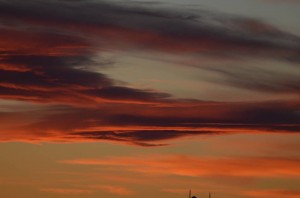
[[139, 137], [47, 49], [93, 25], [52, 71], [204, 31], [150, 138], [145, 125], [57, 79], [125, 93], [50, 68], [264, 78]]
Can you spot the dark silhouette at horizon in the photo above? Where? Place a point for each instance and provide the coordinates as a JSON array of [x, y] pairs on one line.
[[190, 195]]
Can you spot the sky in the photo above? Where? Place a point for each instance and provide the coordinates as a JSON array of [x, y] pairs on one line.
[[149, 98]]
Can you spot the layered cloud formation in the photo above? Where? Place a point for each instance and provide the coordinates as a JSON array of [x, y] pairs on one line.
[[50, 56]]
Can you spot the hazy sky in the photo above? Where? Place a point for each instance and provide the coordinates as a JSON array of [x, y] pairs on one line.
[[149, 98]]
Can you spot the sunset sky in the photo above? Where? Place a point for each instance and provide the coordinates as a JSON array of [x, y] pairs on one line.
[[149, 98]]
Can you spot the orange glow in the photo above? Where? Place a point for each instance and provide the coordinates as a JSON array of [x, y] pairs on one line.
[[196, 167], [274, 193], [66, 191]]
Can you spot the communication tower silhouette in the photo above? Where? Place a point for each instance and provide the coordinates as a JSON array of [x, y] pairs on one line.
[[190, 194]]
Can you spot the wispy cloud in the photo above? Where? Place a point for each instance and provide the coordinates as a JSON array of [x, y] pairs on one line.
[[67, 191], [256, 167], [156, 28], [276, 193], [150, 125], [49, 52], [118, 190]]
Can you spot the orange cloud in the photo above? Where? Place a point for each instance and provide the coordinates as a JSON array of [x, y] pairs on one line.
[[255, 167], [90, 189], [21, 42], [66, 191], [118, 190], [274, 193], [175, 190], [147, 125]]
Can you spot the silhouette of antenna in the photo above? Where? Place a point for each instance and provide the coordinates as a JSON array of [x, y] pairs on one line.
[[190, 194]]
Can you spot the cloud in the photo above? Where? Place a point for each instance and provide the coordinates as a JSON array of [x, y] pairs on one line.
[[67, 191], [276, 193], [117, 190], [16, 41], [283, 2], [260, 78], [140, 137], [49, 53], [58, 77], [52, 48], [147, 124], [176, 190], [152, 28], [255, 167]]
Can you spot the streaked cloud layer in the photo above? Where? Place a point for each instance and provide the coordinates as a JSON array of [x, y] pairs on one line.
[[172, 165], [160, 78], [50, 55]]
